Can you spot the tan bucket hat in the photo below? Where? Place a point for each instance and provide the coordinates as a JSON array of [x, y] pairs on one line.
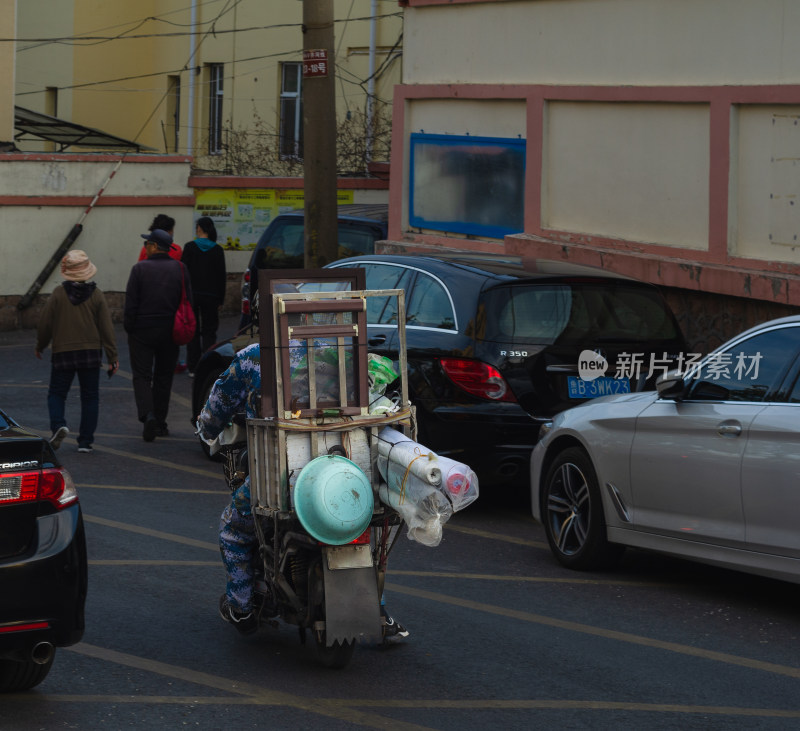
[[76, 267]]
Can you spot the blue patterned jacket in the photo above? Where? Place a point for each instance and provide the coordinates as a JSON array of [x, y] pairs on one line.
[[235, 391]]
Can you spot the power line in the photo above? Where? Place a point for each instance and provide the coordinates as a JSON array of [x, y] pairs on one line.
[[297, 52], [81, 40], [133, 25], [157, 73]]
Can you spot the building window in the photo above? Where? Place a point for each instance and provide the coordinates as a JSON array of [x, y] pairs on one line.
[[51, 108], [215, 108], [51, 101], [291, 121], [173, 126]]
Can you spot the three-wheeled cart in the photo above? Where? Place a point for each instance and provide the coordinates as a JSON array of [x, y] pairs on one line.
[[318, 419]]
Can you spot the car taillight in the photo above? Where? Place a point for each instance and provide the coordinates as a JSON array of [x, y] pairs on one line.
[[477, 378], [20, 627], [51, 484]]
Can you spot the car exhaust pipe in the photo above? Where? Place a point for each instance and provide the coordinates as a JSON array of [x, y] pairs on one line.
[[43, 652]]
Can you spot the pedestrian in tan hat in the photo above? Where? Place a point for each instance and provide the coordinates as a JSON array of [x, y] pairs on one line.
[[77, 320]]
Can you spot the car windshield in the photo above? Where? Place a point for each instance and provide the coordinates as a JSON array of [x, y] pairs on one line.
[[570, 313]]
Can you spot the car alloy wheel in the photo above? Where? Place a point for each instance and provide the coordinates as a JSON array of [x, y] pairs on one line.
[[573, 513]]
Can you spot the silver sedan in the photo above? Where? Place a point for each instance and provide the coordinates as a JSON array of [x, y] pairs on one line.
[[707, 467]]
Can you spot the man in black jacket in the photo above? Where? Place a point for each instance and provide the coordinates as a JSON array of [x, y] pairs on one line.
[[151, 300]]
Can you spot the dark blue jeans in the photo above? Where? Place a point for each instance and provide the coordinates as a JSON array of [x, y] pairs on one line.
[[60, 382]]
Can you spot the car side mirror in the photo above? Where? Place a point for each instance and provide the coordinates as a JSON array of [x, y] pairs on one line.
[[671, 386]]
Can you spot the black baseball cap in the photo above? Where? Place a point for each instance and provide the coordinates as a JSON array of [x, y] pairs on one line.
[[159, 237]]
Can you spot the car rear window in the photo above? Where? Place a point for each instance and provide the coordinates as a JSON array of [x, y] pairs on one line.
[[285, 245], [571, 313]]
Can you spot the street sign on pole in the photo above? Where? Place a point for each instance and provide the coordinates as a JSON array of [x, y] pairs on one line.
[[315, 62]]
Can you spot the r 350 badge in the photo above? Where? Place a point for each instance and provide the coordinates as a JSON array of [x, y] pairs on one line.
[[514, 353]]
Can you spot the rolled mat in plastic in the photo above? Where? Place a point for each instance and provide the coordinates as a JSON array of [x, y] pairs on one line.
[[417, 459]]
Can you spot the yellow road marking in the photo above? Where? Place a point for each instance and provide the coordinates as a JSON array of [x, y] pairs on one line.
[[495, 536], [146, 562], [255, 693], [173, 398], [159, 462], [222, 491], [496, 704], [152, 533], [420, 574], [792, 672], [106, 386], [138, 436], [567, 625], [428, 704], [533, 579]]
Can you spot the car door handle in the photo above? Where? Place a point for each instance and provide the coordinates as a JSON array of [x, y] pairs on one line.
[[729, 430], [377, 340]]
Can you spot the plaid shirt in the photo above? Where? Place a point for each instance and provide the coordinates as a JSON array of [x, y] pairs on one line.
[[76, 359]]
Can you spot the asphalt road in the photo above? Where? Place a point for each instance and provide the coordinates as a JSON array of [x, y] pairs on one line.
[[501, 636]]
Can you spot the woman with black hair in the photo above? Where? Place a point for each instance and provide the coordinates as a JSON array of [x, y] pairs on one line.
[[205, 260]]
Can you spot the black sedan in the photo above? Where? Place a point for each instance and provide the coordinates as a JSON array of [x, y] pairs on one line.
[[43, 574], [495, 347]]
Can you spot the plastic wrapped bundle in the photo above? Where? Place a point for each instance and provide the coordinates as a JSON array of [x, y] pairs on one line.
[[424, 488], [459, 482], [396, 447], [423, 508]]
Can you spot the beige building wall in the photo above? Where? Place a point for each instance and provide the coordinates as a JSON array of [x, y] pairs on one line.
[[41, 65], [7, 52], [640, 42], [636, 170], [111, 230], [765, 210]]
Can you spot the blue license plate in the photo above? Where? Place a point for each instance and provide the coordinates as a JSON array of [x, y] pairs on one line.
[[602, 386]]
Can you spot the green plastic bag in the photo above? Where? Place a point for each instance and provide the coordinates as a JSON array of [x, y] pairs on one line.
[[381, 373]]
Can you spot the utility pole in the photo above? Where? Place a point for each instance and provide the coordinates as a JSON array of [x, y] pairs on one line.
[[319, 134]]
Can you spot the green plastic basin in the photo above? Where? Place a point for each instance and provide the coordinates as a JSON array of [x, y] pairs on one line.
[[333, 499]]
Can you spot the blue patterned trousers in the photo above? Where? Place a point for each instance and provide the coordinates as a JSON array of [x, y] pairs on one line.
[[238, 545]]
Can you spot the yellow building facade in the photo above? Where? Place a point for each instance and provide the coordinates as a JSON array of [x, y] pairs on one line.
[[215, 79]]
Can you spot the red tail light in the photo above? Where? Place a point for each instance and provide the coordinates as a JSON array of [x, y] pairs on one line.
[[363, 538], [245, 307], [52, 484], [477, 378], [25, 627]]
